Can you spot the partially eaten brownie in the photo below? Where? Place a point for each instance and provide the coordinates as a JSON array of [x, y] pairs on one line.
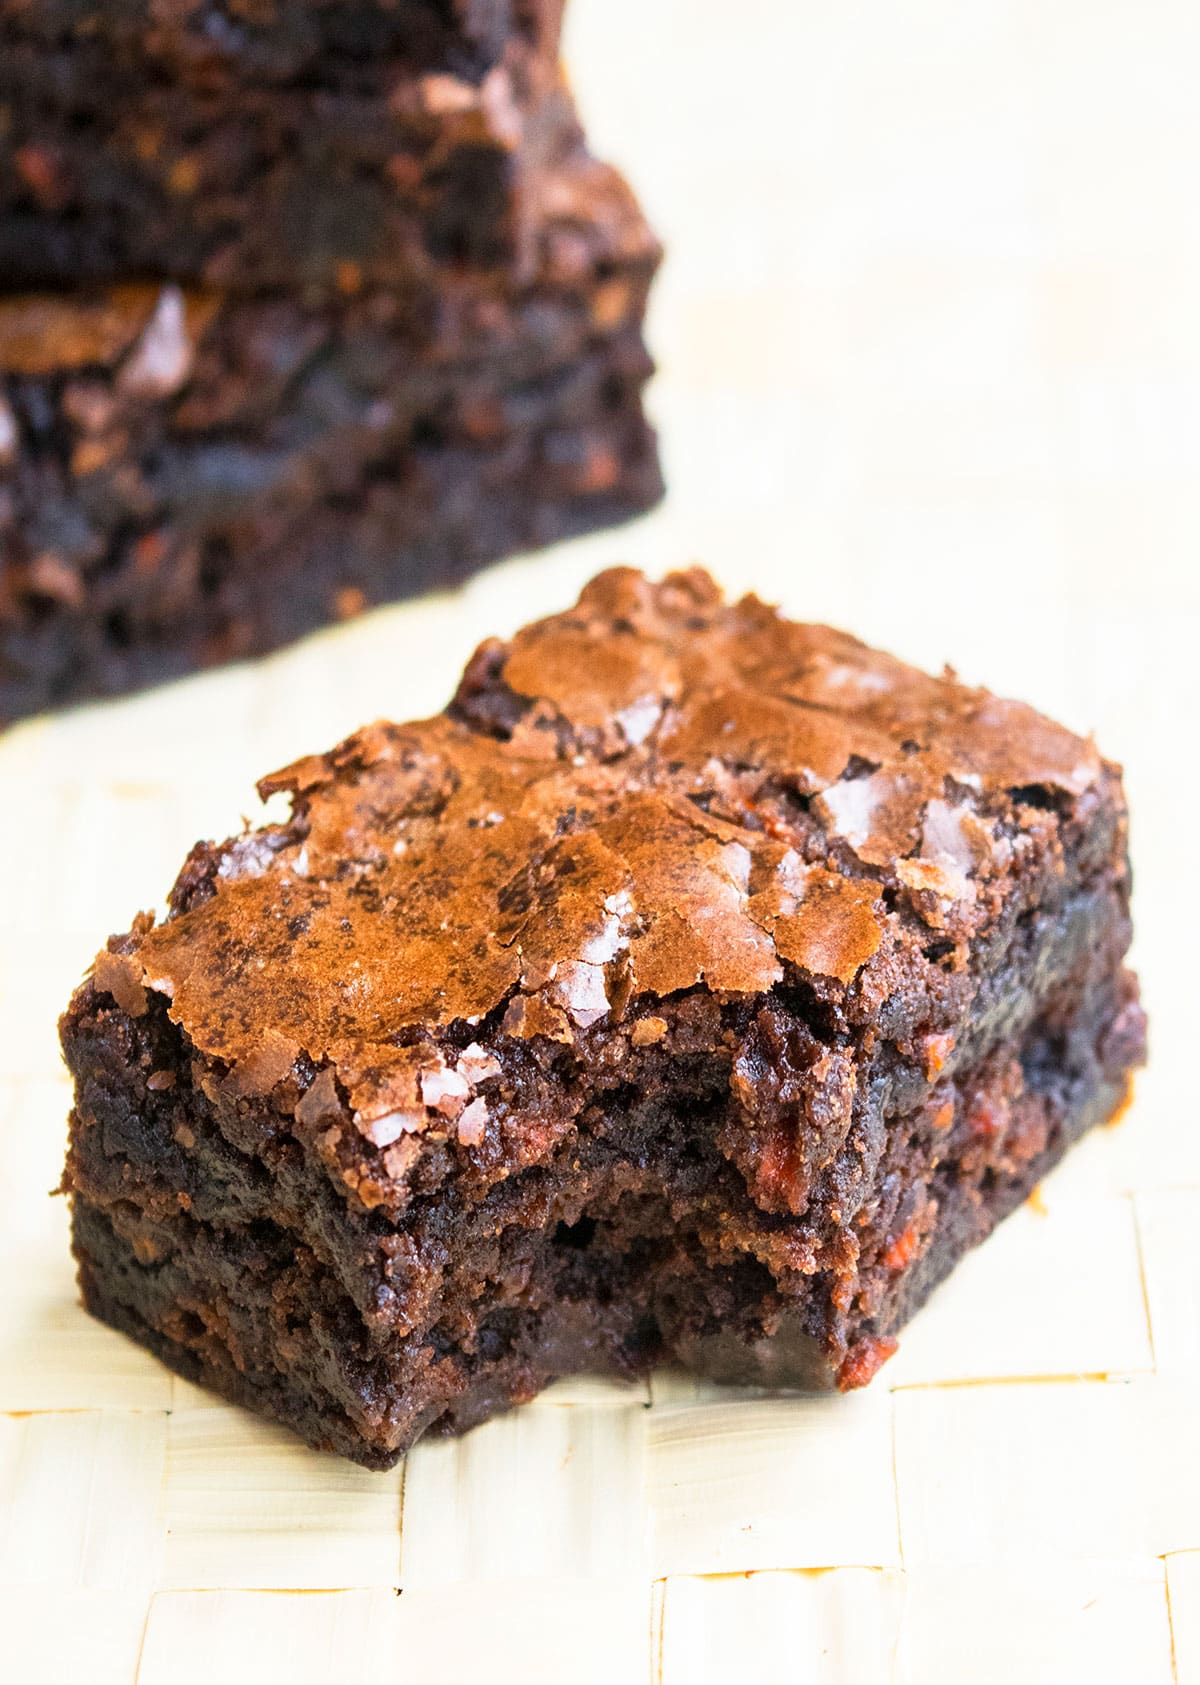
[[699, 985]]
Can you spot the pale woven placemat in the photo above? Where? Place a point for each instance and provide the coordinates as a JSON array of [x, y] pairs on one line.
[[932, 371]]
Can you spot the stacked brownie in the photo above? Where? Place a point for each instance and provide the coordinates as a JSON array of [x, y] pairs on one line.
[[699, 985], [304, 306]]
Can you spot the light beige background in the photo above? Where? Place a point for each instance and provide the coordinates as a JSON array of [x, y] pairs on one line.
[[930, 355]]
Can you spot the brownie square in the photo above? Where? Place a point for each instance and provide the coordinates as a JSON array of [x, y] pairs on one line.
[[700, 985]]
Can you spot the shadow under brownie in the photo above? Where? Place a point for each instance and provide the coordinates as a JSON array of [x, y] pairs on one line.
[[700, 985]]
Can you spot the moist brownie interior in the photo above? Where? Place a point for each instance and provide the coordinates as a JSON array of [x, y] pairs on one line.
[[700, 985]]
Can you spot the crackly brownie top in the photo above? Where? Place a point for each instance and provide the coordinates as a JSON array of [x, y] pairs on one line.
[[652, 794]]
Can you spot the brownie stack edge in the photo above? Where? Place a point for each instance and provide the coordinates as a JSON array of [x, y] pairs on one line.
[[700, 987], [303, 309]]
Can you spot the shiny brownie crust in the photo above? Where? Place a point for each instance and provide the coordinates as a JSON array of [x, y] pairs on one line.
[[698, 986]]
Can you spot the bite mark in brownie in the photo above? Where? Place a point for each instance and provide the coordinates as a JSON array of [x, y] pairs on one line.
[[699, 985]]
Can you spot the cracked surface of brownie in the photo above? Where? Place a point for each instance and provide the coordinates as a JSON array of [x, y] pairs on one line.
[[699, 985]]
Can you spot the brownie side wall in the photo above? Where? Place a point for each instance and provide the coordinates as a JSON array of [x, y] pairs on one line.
[[938, 1194], [249, 1309]]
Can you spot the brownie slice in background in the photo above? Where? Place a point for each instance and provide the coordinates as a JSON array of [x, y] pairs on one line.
[[700, 985], [305, 305], [189, 477]]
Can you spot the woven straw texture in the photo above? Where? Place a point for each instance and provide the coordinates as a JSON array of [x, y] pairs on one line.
[[931, 370]]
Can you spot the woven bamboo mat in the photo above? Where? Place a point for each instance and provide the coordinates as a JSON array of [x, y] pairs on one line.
[[931, 370]]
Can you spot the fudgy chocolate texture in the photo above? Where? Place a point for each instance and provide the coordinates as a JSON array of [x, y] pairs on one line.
[[187, 477], [110, 170], [700, 984]]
